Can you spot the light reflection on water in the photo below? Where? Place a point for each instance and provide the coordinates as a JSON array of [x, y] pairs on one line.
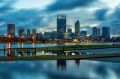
[[28, 45], [60, 69]]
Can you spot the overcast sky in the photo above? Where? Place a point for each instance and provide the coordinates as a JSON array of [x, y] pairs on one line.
[[41, 14]]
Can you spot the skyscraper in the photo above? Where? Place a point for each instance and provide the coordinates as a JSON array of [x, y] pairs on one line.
[[28, 32], [95, 31], [106, 32], [11, 29], [33, 32], [77, 29], [21, 31], [61, 26]]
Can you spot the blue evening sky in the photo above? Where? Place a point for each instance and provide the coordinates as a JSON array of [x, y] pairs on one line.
[[41, 14]]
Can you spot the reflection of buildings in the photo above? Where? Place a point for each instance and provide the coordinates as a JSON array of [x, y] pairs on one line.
[[61, 26], [11, 29], [77, 62], [61, 64]]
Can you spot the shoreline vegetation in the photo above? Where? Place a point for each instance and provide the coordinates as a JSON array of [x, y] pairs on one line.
[[59, 57], [67, 47]]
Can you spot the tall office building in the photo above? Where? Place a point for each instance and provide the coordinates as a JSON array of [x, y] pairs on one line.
[[33, 32], [11, 29], [106, 32], [77, 29], [61, 26], [21, 31], [28, 32], [96, 31]]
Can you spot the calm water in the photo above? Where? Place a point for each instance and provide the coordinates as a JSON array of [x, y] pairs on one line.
[[18, 45], [60, 69], [108, 68]]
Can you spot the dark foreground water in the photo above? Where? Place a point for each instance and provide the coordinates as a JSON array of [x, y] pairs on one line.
[[60, 69]]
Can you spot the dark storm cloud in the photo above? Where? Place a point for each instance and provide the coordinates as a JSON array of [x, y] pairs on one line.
[[5, 5], [26, 18], [100, 14], [113, 21], [68, 4]]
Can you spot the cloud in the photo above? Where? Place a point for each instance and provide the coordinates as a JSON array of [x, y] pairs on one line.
[[68, 4], [113, 21], [27, 18], [6, 5], [100, 14]]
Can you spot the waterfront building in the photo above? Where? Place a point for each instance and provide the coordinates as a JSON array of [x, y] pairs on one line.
[[77, 29], [28, 32], [33, 32], [54, 34], [21, 31], [11, 29], [95, 33], [106, 32], [47, 35], [83, 35], [61, 26]]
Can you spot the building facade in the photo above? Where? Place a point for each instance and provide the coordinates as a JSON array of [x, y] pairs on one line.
[[21, 31], [106, 32], [77, 29], [61, 26], [11, 29]]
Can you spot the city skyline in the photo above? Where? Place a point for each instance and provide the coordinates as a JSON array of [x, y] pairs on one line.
[[43, 17]]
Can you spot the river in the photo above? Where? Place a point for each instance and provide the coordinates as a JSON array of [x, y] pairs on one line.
[[107, 68]]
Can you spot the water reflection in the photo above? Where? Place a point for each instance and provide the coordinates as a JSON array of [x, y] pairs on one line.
[[61, 64], [88, 69], [77, 62]]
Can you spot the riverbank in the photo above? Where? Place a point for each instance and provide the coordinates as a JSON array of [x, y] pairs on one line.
[[66, 47], [60, 57]]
